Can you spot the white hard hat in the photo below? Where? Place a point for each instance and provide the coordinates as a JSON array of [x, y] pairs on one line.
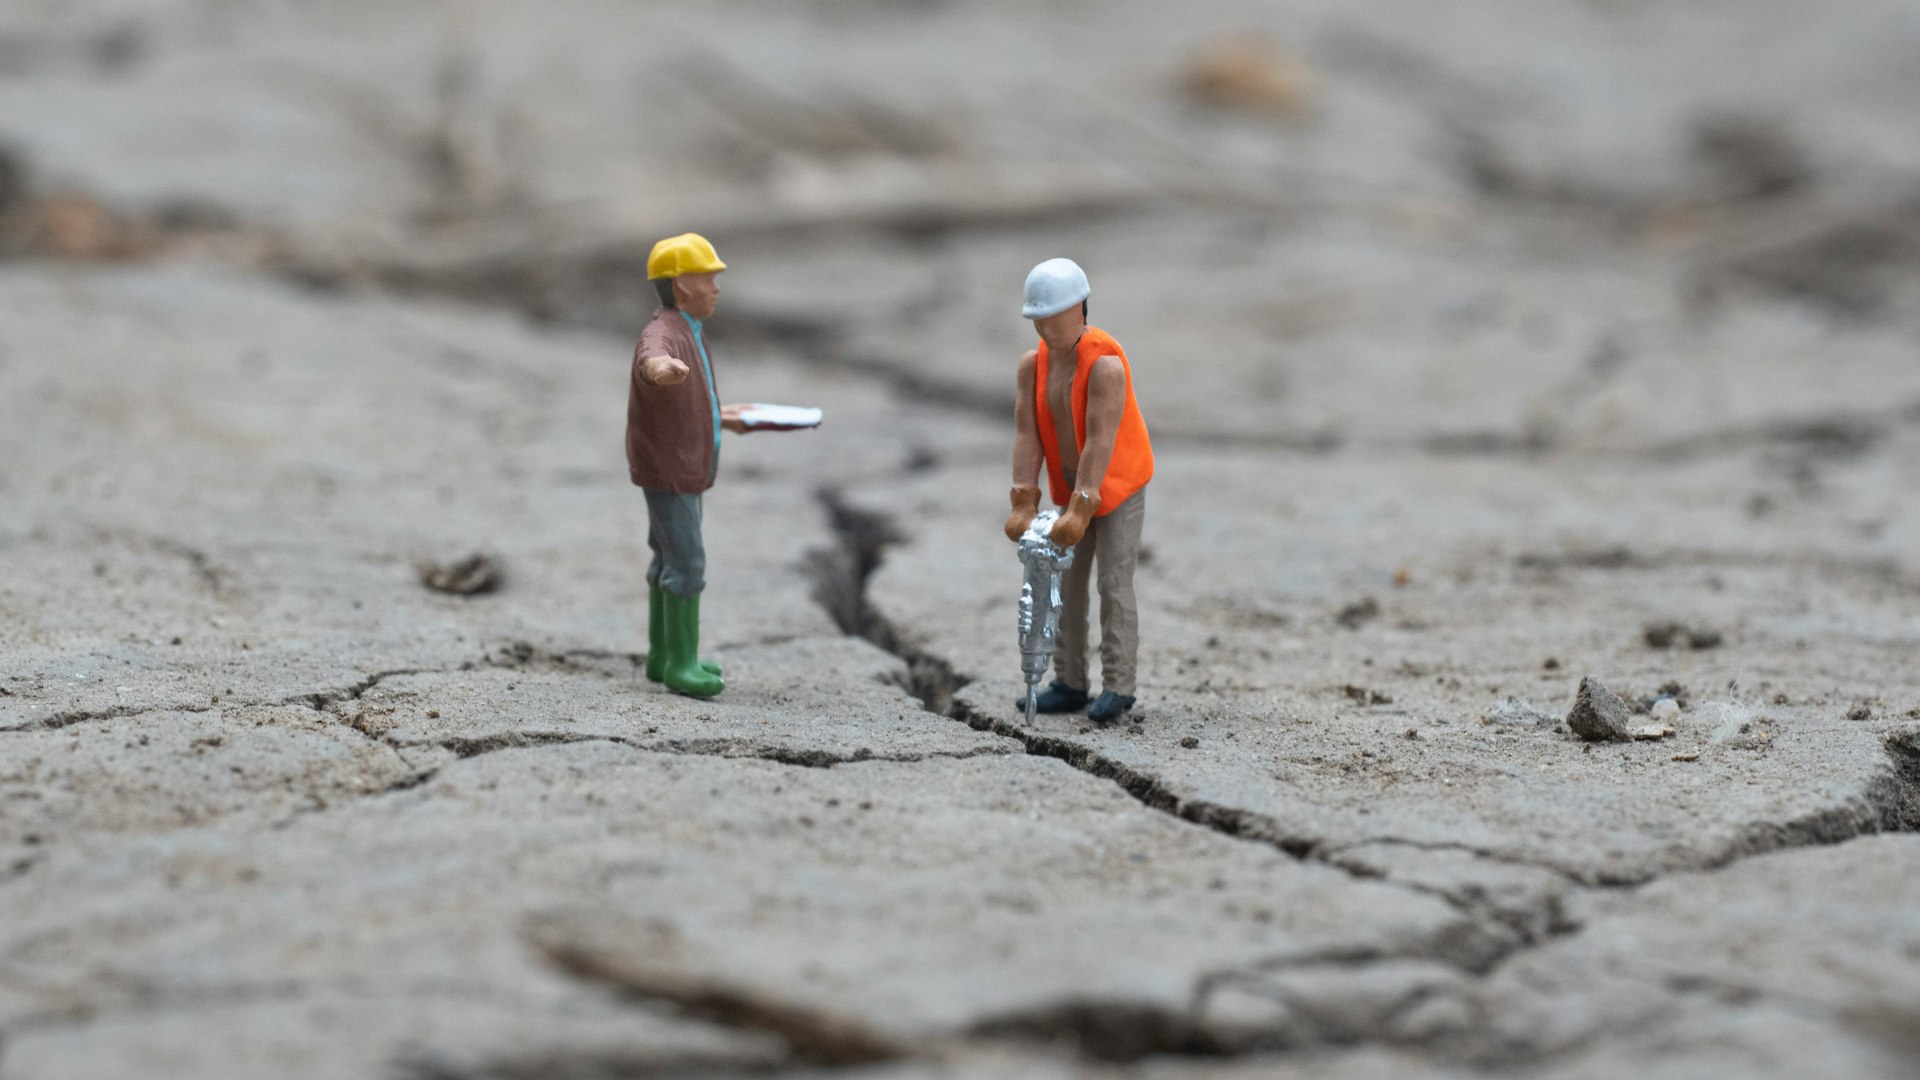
[[1053, 287]]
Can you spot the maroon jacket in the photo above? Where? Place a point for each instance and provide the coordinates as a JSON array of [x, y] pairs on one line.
[[670, 428]]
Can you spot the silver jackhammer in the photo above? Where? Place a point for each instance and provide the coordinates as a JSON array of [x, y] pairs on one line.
[[1045, 562]]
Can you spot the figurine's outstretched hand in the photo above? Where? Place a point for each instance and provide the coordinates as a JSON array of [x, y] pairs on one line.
[[731, 420], [1026, 506], [1073, 524], [663, 370]]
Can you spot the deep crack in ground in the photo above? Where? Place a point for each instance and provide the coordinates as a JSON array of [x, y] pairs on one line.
[[1129, 1031]]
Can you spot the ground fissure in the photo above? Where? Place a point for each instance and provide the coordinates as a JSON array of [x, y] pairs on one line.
[[841, 573]]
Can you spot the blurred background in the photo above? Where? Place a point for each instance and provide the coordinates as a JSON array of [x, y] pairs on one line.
[[1488, 346], [1458, 226]]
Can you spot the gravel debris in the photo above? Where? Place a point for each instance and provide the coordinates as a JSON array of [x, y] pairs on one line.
[[1667, 634], [471, 576], [1598, 713], [1358, 613], [1515, 712]]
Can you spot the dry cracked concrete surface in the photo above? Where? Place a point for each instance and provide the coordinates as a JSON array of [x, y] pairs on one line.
[[1486, 351]]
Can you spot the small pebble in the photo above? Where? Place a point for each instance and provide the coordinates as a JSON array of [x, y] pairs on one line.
[[1189, 742], [1598, 713]]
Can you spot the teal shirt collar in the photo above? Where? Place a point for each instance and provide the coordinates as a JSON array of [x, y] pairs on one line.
[[706, 368]]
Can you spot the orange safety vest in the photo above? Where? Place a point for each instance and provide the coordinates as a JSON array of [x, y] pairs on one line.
[[1132, 464]]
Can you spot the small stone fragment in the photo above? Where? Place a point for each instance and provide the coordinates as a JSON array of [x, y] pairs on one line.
[[1358, 613], [1687, 755], [1514, 712], [1250, 73], [1366, 696], [1674, 689], [1701, 637], [1189, 742], [1648, 732], [1740, 729], [1598, 713], [1666, 710], [1665, 634], [475, 574]]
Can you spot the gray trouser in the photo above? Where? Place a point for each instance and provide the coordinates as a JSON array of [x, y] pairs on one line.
[[1114, 540], [673, 532]]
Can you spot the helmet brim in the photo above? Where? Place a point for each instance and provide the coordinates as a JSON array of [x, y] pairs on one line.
[[1038, 311]]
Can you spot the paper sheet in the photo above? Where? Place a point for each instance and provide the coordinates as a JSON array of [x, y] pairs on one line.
[[779, 417]]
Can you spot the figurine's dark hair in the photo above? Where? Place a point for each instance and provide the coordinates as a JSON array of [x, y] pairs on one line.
[[1083, 311], [663, 288]]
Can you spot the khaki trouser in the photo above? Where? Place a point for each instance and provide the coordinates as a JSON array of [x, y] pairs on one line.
[[1113, 541]]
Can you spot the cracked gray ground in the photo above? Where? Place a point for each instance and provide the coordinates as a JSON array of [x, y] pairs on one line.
[[1531, 331]]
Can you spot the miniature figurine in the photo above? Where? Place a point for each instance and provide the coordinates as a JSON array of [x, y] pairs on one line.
[[1079, 418], [673, 452]]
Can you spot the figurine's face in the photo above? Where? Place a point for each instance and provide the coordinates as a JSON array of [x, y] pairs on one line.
[[1061, 329], [697, 294]]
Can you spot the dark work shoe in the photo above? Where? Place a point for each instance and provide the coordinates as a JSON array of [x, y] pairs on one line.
[[1109, 708], [1058, 698]]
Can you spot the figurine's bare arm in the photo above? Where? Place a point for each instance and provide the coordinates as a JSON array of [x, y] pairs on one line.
[[663, 370], [730, 418], [1026, 426], [1106, 405], [1026, 450]]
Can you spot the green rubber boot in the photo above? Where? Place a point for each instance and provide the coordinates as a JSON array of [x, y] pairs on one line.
[[657, 637], [683, 671], [656, 633]]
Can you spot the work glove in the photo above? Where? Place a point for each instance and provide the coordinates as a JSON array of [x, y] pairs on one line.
[[1026, 506], [1073, 524]]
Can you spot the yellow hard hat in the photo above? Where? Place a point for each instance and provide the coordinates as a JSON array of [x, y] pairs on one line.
[[688, 253]]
